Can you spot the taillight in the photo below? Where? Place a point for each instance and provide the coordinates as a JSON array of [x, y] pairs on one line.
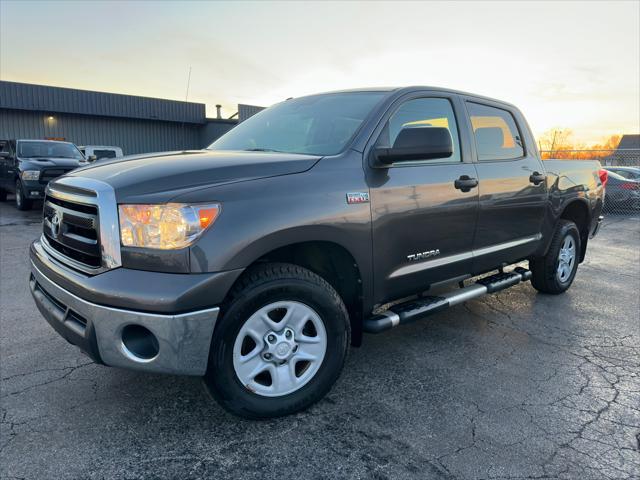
[[630, 186], [604, 176]]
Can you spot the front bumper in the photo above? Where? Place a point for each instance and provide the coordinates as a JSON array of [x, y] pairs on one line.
[[140, 290], [182, 340], [33, 189]]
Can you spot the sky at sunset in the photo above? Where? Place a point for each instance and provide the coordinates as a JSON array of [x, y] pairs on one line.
[[573, 65]]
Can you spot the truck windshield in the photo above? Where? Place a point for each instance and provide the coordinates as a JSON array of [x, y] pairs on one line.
[[315, 125], [35, 149]]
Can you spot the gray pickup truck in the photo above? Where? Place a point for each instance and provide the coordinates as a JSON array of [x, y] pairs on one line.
[[256, 263]]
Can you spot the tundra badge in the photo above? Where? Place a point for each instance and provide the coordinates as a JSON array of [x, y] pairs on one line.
[[423, 255]]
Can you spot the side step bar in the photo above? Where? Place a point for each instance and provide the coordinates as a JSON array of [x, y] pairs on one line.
[[410, 311]]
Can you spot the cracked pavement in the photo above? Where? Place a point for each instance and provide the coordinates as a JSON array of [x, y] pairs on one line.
[[515, 385]]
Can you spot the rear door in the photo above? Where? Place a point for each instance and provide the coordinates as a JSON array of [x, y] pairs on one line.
[[423, 224], [512, 190]]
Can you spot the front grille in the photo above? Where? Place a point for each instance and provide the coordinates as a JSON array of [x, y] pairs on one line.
[[49, 174], [72, 230], [80, 224]]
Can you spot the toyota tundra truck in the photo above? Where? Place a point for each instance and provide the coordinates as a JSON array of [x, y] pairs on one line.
[[257, 262]]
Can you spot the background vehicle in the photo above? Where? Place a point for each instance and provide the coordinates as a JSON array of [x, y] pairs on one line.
[[623, 193], [256, 263], [632, 173], [96, 152], [26, 166]]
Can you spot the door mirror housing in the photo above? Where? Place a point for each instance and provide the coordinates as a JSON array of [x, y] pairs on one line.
[[92, 158], [415, 143]]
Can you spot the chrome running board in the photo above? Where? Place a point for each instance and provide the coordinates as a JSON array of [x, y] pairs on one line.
[[416, 309]]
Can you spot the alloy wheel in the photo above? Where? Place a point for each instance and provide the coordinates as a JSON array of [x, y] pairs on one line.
[[566, 259]]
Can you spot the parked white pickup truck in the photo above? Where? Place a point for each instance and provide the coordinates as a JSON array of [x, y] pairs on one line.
[[97, 152]]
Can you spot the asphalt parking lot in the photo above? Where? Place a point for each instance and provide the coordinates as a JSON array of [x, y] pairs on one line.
[[515, 385]]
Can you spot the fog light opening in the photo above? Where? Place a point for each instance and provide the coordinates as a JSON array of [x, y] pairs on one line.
[[139, 344]]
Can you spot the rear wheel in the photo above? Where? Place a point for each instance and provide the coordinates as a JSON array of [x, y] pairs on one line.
[[22, 203], [280, 344], [554, 273]]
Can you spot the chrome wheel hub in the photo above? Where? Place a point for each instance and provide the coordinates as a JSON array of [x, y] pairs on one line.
[[279, 349], [566, 259], [280, 346]]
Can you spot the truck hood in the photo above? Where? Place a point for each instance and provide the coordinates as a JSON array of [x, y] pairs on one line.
[[161, 176], [44, 162]]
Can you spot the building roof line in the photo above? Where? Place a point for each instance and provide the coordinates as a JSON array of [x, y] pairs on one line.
[[43, 98]]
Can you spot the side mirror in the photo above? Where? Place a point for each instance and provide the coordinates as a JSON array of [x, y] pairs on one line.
[[92, 158], [416, 143], [4, 154]]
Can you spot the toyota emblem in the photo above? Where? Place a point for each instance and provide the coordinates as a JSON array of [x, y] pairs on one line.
[[55, 225]]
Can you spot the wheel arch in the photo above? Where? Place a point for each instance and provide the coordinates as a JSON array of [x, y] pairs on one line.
[[578, 212], [334, 263]]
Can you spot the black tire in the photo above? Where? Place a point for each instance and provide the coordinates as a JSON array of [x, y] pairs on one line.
[[3, 195], [259, 287], [22, 203], [545, 277]]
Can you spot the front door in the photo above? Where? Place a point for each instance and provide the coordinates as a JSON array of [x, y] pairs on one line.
[[423, 220]]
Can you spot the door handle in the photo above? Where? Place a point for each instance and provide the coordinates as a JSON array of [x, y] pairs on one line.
[[465, 183], [537, 178]]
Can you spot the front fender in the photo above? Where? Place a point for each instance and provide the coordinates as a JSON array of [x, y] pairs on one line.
[[263, 215]]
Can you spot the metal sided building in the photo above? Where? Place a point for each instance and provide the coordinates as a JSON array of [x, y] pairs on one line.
[[136, 124]]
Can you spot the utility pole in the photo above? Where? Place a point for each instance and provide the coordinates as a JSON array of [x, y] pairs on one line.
[[186, 97], [553, 143]]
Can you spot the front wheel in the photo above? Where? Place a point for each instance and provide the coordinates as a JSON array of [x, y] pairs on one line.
[[554, 273], [280, 345], [21, 202]]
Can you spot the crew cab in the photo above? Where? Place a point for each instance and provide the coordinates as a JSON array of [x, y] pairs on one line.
[[256, 263], [26, 166]]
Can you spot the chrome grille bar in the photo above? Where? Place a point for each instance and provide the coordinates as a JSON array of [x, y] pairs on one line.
[[80, 193]]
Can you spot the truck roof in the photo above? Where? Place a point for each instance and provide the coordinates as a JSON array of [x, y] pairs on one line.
[[98, 146], [413, 88], [41, 140]]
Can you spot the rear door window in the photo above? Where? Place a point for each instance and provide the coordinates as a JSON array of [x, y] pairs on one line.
[[496, 134], [104, 154]]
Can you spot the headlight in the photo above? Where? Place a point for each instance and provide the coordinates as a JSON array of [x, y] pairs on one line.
[[166, 227], [30, 175]]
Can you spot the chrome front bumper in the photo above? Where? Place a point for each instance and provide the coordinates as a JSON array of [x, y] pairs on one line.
[[182, 340]]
